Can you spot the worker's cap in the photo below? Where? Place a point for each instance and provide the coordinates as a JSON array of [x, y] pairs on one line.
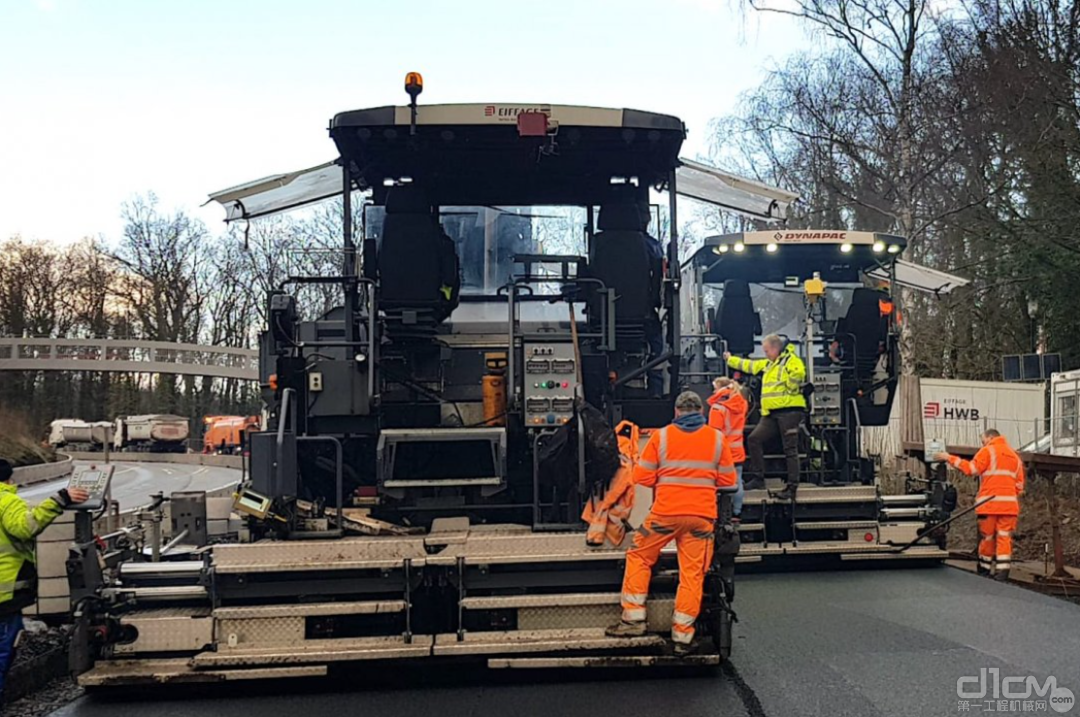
[[688, 401]]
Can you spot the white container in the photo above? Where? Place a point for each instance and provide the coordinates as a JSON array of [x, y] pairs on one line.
[[957, 412], [1064, 405]]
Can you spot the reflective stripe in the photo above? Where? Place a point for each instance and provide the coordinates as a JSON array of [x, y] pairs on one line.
[[681, 637], [718, 449], [681, 618], [1004, 533], [1011, 474], [636, 614], [648, 465], [701, 534], [1004, 558], [32, 522], [693, 465], [675, 480], [12, 587], [986, 559], [663, 445], [634, 598], [1002, 499]]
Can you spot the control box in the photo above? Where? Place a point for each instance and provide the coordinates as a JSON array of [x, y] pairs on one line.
[[550, 377], [95, 480], [827, 400]]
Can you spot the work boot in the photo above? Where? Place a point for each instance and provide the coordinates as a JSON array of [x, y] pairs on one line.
[[1002, 576], [626, 629], [788, 493], [754, 484], [682, 649], [980, 570]]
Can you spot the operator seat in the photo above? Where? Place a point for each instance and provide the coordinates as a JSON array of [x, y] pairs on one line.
[[419, 276], [736, 321], [863, 331], [622, 261]]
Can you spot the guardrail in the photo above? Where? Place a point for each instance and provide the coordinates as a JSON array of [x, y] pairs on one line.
[[187, 459], [41, 473], [47, 354]]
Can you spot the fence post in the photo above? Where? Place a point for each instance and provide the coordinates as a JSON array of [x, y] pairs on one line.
[[1055, 529]]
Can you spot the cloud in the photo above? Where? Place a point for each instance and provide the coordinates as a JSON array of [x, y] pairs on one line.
[[46, 5]]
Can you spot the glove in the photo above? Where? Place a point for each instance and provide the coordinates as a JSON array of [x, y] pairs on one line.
[[66, 498]]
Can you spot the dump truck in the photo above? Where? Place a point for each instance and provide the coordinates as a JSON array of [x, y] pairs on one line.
[[502, 307], [153, 433]]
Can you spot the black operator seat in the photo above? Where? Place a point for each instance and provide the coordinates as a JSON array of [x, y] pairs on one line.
[[418, 263], [736, 321], [622, 261], [863, 331]]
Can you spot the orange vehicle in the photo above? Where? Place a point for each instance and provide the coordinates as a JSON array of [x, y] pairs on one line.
[[225, 434]]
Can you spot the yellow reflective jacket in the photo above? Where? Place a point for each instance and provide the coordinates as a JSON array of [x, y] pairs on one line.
[[19, 525], [781, 384]]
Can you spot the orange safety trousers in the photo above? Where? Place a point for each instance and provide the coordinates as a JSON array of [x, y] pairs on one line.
[[693, 536], [995, 540]]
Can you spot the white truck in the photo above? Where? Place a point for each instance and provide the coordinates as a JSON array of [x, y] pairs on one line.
[[76, 434], [155, 433]]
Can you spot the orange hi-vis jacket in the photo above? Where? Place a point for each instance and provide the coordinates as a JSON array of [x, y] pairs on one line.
[[727, 414], [686, 468], [1001, 477], [608, 517]]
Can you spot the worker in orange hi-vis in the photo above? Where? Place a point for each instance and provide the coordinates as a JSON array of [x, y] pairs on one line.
[[686, 463], [728, 407], [1001, 482]]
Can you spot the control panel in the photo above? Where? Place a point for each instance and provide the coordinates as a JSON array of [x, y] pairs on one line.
[[550, 383], [828, 400], [94, 480]]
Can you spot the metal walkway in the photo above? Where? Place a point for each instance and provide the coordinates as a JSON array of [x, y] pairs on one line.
[[34, 354]]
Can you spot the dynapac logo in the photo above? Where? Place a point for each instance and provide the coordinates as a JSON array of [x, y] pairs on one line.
[[796, 237], [508, 113], [933, 409]]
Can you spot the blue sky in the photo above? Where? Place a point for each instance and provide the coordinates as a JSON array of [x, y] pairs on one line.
[[104, 99]]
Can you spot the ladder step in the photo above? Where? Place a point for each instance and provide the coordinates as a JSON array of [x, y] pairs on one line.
[[836, 525], [501, 602], [747, 527]]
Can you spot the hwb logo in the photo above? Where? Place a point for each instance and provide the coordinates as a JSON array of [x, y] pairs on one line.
[[933, 409]]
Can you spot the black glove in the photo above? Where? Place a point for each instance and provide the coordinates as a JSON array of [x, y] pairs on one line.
[[63, 498]]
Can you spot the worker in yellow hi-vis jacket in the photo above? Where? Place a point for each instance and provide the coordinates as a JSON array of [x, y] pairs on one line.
[[783, 408], [19, 525]]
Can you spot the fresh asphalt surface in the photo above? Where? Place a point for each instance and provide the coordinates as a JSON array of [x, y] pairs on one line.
[[858, 642], [134, 483]]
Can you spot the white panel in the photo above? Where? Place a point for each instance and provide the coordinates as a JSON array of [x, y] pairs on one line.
[[728, 191], [280, 192], [959, 411], [914, 276]]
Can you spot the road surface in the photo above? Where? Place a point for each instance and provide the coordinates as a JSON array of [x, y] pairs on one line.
[[860, 643], [133, 483]]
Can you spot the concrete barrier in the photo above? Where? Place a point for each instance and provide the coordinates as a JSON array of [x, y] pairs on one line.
[[29, 475], [187, 459]]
